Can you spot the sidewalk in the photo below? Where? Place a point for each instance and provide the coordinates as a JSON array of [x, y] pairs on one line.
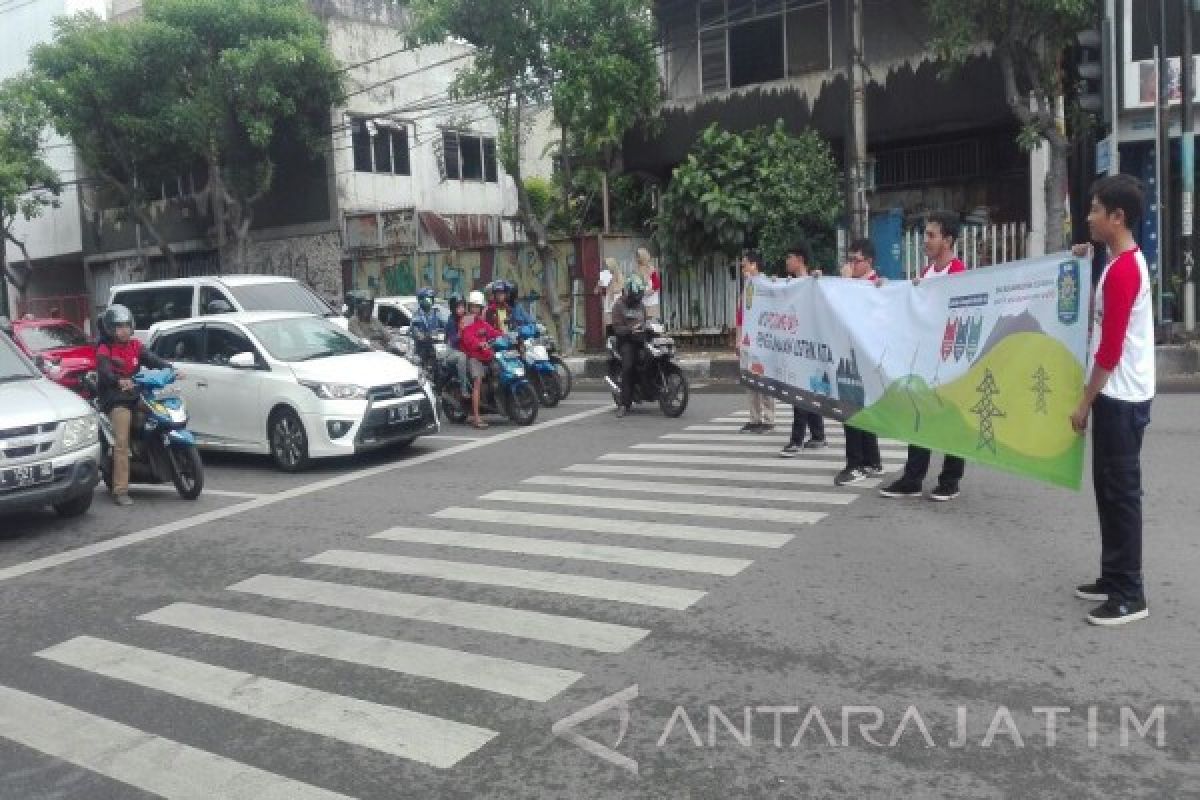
[[1178, 366]]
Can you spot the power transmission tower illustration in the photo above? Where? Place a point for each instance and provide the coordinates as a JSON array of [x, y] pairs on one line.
[[986, 410], [1041, 388]]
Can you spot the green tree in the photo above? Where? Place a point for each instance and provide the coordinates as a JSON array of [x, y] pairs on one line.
[[28, 184], [1027, 37], [763, 189], [590, 61], [231, 84]]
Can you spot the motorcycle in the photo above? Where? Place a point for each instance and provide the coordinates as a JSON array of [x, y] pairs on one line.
[[506, 389], [163, 450], [656, 375], [560, 366], [541, 371]]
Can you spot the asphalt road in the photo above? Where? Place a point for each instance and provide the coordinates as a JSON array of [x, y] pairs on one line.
[[415, 625]]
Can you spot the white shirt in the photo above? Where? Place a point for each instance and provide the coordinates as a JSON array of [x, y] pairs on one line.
[[606, 279], [1132, 349]]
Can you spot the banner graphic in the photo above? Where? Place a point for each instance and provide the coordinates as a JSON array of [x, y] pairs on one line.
[[986, 364]]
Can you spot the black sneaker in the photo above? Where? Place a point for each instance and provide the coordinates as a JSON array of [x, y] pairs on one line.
[[790, 451], [750, 427], [766, 427], [1096, 592], [1117, 611], [850, 475], [943, 493], [901, 488], [815, 444], [621, 411]]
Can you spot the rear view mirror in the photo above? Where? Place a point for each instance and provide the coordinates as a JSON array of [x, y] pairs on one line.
[[243, 361]]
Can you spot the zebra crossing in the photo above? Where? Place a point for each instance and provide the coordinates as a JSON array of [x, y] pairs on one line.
[[637, 512]]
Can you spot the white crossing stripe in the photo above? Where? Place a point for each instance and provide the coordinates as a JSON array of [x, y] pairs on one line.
[[644, 594], [750, 437], [704, 490], [829, 454], [620, 527], [139, 759], [765, 439], [805, 461], [388, 729], [658, 506], [491, 674], [798, 479], [603, 637], [658, 559]]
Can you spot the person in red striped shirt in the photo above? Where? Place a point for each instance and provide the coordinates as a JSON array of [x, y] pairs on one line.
[[1117, 399], [941, 235]]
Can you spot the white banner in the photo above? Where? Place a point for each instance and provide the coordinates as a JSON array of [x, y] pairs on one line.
[[986, 364]]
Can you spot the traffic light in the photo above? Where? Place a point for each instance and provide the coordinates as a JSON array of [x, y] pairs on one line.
[[1093, 68]]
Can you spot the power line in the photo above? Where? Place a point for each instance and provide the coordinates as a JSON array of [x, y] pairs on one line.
[[409, 74]]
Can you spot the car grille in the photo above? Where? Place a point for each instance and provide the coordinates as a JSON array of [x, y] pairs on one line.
[[42, 435], [29, 430], [391, 392]]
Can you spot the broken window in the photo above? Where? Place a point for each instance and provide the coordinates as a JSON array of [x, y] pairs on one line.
[[747, 42], [469, 157], [380, 146]]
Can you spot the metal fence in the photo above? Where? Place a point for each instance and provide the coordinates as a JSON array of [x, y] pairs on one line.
[[978, 246], [699, 300]]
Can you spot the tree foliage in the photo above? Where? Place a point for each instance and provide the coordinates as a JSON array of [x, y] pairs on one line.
[[28, 184], [763, 189], [1028, 37], [590, 61], [225, 83]]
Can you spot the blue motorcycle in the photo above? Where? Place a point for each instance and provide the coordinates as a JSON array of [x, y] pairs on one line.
[[506, 389], [541, 370], [163, 449]]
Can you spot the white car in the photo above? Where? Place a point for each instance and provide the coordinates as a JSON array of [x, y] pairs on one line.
[[294, 386]]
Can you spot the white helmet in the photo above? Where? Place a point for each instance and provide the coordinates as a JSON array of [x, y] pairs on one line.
[[475, 298]]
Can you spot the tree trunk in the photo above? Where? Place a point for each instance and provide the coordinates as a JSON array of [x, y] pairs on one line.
[[1055, 188], [138, 211]]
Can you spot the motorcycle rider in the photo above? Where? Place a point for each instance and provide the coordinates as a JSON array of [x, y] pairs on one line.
[[476, 336], [365, 326], [425, 324], [498, 312], [629, 321], [455, 357], [118, 358]]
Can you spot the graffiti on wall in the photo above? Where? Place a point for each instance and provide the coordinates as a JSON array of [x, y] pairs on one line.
[[313, 260]]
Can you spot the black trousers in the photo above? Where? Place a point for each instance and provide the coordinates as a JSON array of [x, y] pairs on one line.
[[1117, 428], [917, 467], [806, 420], [862, 449], [629, 353]]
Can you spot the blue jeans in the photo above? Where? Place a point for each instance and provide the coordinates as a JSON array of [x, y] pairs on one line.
[[1117, 428]]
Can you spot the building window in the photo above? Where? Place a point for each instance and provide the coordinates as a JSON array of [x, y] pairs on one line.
[[747, 42], [469, 157], [380, 146]]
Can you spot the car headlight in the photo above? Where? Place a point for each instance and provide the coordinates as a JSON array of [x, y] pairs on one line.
[[80, 432], [336, 391]]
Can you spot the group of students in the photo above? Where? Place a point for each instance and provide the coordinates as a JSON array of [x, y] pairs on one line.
[[1116, 399], [469, 332]]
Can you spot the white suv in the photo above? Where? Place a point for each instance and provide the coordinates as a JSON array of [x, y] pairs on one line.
[[49, 445], [152, 302]]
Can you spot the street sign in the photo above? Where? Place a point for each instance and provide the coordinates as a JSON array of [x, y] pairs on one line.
[[1104, 155]]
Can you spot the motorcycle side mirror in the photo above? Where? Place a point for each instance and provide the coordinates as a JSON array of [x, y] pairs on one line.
[[219, 306], [243, 361]]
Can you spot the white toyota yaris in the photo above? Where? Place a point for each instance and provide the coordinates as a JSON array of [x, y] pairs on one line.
[[294, 386]]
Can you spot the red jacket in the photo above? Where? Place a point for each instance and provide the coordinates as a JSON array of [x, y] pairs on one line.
[[474, 339]]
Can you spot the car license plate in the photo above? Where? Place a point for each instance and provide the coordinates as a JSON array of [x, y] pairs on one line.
[[21, 477], [404, 412]]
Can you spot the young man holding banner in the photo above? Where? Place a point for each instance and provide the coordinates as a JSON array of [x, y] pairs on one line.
[[941, 234], [862, 448], [798, 257], [1117, 398], [762, 405]]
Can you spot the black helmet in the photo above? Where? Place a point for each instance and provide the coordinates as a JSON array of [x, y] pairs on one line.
[[114, 317], [425, 298], [635, 289]]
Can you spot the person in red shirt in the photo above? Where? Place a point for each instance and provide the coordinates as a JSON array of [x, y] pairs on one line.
[[475, 337], [941, 235], [118, 358], [862, 448], [1117, 399]]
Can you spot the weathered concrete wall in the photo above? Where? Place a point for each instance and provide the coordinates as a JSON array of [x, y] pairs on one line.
[[313, 260]]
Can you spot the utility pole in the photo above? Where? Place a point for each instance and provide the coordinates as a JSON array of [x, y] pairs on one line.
[[1166, 234], [856, 146], [1188, 165]]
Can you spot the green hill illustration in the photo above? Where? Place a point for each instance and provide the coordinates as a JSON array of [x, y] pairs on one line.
[[1011, 410]]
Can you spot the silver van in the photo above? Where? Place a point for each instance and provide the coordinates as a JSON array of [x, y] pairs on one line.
[[152, 302], [49, 445]]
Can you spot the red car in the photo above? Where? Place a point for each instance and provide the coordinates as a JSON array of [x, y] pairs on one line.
[[66, 354]]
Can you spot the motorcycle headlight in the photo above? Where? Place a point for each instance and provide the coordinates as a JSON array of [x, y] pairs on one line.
[[541, 329], [538, 353], [80, 432], [336, 391]]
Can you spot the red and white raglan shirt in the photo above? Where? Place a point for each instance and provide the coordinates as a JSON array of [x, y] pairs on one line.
[[954, 267], [1123, 328]]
